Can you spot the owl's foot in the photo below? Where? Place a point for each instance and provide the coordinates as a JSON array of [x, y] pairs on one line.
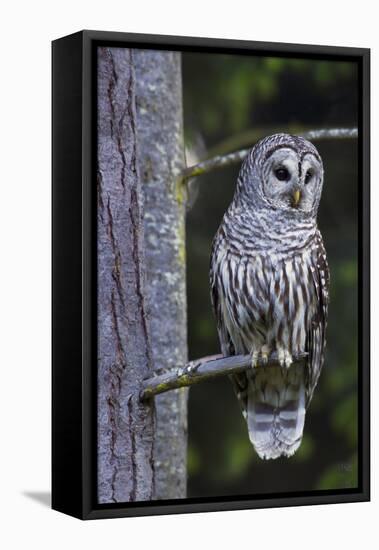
[[265, 353], [262, 354], [284, 358], [254, 358]]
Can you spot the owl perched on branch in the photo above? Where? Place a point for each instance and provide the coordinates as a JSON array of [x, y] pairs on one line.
[[269, 285]]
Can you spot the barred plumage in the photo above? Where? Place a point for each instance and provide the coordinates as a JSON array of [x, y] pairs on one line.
[[269, 281]]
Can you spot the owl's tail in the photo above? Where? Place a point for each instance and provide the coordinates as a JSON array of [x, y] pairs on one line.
[[276, 410]]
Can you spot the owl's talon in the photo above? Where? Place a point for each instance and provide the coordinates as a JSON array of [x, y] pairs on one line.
[[260, 356], [265, 352], [287, 359], [254, 359], [281, 357], [284, 358]]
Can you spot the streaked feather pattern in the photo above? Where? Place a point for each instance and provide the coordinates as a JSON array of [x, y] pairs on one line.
[[269, 285]]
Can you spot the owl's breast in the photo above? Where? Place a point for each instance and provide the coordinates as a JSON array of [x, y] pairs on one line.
[[266, 298]]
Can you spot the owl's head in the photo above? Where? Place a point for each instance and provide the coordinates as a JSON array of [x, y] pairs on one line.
[[283, 172]]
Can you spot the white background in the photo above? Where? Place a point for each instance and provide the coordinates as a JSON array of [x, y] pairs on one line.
[[26, 31]]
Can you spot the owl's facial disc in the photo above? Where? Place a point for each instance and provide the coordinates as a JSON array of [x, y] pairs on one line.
[[292, 180]]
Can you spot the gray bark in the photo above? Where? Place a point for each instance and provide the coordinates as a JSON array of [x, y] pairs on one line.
[[125, 425], [161, 160]]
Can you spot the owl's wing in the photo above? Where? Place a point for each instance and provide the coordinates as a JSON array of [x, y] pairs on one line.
[[316, 338], [239, 381], [226, 343]]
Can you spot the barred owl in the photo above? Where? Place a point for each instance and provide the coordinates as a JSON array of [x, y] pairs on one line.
[[269, 286]]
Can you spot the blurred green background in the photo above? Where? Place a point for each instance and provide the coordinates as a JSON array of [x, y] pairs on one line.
[[228, 102]]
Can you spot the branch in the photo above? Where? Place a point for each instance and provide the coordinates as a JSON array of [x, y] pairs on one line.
[[250, 136], [206, 368], [221, 161], [330, 133]]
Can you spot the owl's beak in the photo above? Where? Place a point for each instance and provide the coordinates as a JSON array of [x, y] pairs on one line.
[[296, 197]]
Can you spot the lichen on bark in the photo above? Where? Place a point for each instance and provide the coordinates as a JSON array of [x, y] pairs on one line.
[[161, 160]]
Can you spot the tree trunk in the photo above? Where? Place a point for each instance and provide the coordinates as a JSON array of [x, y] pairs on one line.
[[161, 160], [125, 425]]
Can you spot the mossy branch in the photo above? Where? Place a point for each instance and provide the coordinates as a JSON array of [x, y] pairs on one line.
[[220, 161], [206, 368]]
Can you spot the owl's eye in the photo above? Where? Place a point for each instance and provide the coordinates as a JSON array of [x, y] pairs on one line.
[[282, 174], [308, 177]]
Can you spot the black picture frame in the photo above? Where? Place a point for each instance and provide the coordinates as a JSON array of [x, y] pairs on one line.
[[74, 275]]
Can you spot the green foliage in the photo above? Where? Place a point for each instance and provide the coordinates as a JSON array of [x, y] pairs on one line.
[[343, 475], [238, 456], [345, 417], [307, 449], [227, 94]]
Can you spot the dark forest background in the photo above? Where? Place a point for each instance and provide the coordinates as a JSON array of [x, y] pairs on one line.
[[229, 101]]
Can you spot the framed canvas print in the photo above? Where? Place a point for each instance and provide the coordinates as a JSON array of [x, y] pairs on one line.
[[210, 275]]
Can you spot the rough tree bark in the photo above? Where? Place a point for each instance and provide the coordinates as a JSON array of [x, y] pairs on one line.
[[161, 160], [125, 425]]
